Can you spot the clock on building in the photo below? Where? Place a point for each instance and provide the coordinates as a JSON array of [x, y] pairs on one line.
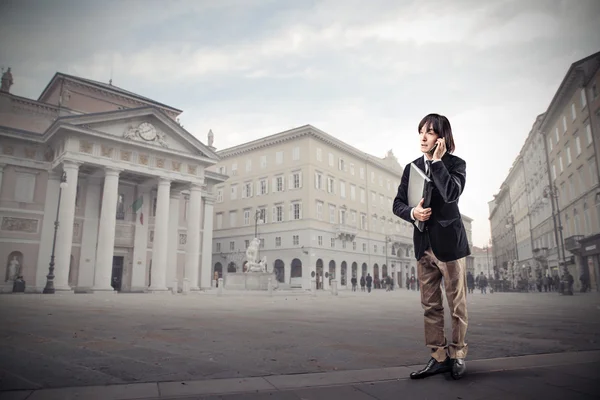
[[147, 131]]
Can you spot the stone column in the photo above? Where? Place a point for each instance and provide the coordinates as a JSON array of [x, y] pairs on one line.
[[140, 242], [173, 239], [160, 246], [64, 237], [106, 232], [207, 237], [192, 247], [89, 239], [45, 249], [287, 272]]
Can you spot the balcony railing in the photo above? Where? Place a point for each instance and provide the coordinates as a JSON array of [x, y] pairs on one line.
[[345, 232]]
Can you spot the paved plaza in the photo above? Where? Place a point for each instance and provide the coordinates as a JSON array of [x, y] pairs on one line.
[[57, 341]]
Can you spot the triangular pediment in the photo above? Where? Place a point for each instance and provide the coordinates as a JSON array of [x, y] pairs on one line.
[[145, 126]]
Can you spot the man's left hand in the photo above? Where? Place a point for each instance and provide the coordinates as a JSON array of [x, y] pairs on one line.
[[440, 150]]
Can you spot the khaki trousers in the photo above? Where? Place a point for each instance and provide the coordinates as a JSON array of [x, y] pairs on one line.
[[431, 271]]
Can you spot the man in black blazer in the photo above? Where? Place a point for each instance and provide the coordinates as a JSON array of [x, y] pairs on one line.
[[441, 248]]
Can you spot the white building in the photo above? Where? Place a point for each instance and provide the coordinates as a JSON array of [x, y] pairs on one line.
[[136, 212], [327, 210]]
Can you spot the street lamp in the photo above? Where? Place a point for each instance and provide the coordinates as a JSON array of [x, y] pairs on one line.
[[551, 194], [49, 288]]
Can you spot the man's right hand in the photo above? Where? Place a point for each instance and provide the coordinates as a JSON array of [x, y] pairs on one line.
[[420, 213]]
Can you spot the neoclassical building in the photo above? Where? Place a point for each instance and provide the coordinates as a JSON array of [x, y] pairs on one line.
[[136, 208]]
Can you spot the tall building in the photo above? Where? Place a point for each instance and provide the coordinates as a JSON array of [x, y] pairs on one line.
[[571, 131], [128, 183], [319, 206], [482, 261], [504, 243], [561, 173]]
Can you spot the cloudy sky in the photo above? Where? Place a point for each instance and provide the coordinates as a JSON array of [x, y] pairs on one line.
[[365, 72]]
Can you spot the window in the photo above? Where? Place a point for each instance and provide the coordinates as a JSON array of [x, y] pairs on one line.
[[219, 195], [374, 248], [364, 247], [319, 154], [583, 99], [318, 181], [262, 218], [234, 169], [344, 244], [320, 239], [593, 171], [296, 240], [363, 195], [246, 243], [362, 173], [556, 135], [296, 180], [372, 176], [278, 213], [218, 247], [330, 160], [332, 242], [278, 241], [296, 154], [363, 221], [573, 112], [342, 190], [351, 169], [219, 220], [121, 205], [278, 184], [263, 161], [553, 172], [587, 221], [331, 214], [352, 192], [232, 219], [549, 144], [560, 163], [320, 210], [223, 170], [353, 245], [232, 246], [248, 165], [295, 211], [247, 190], [353, 217], [588, 134], [576, 222], [578, 144], [373, 197], [564, 123], [234, 192], [580, 178], [343, 217], [330, 185], [568, 155], [263, 187], [279, 157], [341, 165], [25, 186], [262, 244]]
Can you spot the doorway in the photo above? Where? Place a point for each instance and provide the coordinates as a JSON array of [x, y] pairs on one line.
[[117, 272]]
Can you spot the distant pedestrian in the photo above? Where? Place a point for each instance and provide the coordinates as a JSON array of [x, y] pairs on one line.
[[353, 281], [470, 282], [369, 280], [363, 282]]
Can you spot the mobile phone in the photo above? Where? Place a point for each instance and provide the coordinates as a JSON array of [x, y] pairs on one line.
[[433, 149]]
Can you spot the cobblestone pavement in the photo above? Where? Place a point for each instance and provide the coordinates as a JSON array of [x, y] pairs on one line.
[[67, 340]]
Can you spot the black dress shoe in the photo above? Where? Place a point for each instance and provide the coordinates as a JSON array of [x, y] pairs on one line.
[[458, 368], [433, 367]]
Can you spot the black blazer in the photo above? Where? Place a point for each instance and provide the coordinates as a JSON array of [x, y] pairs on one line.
[[444, 231]]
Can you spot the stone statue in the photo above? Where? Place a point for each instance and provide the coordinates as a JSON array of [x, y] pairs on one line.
[[211, 138], [253, 263], [13, 269], [7, 81]]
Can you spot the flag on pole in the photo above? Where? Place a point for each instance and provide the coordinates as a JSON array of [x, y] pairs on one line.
[[136, 206]]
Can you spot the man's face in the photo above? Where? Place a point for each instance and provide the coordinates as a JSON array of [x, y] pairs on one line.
[[427, 138]]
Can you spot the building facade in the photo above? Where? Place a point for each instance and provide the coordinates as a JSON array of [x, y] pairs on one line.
[[321, 208], [561, 174], [503, 235], [135, 195], [482, 261]]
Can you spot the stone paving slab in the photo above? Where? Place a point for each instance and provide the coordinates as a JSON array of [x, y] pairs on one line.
[[549, 376], [87, 340]]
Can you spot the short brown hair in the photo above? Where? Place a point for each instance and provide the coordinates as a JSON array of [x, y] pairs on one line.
[[441, 126]]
